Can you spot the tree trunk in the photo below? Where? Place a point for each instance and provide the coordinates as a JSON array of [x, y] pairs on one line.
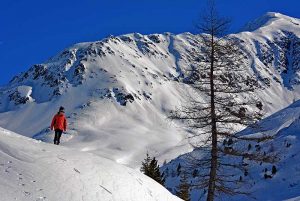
[[214, 151]]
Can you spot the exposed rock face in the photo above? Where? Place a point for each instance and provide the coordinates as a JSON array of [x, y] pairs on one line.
[[20, 95], [122, 97], [17, 98]]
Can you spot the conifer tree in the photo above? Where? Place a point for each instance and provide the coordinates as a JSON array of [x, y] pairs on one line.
[[151, 169], [224, 101], [146, 165], [183, 190]]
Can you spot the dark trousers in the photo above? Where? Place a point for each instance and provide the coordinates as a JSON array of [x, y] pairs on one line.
[[57, 136]]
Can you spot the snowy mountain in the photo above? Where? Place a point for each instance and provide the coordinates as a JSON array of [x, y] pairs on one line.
[[33, 170], [116, 93], [119, 91]]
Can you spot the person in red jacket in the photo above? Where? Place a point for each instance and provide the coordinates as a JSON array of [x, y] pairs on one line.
[[59, 124]]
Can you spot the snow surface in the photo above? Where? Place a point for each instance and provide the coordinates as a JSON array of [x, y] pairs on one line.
[[25, 91], [33, 170]]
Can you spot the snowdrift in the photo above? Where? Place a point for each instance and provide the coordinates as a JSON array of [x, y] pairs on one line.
[[33, 170]]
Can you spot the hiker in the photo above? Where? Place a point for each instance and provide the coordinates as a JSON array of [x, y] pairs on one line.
[[59, 124]]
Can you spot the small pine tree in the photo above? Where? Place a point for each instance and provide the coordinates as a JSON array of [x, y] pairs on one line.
[[183, 190], [146, 164], [151, 169], [249, 147], [274, 170], [178, 169], [165, 162]]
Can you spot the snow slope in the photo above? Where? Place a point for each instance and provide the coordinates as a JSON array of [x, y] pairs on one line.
[[118, 91], [285, 184], [33, 170]]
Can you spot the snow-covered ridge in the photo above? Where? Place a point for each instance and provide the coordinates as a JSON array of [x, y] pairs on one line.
[[33, 170], [271, 19]]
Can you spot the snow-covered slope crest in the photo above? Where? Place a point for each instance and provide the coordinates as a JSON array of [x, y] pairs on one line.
[[284, 184], [271, 19], [33, 170]]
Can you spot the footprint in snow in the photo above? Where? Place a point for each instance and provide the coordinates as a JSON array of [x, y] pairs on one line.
[[150, 193], [139, 181], [26, 193], [6, 170]]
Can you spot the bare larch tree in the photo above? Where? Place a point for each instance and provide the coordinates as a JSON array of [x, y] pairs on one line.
[[225, 103]]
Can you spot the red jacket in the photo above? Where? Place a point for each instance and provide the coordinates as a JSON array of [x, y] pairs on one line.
[[59, 121]]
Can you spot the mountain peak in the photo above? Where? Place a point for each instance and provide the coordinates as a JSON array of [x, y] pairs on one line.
[[268, 19]]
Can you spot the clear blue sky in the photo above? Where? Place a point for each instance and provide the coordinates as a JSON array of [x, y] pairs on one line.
[[31, 31]]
